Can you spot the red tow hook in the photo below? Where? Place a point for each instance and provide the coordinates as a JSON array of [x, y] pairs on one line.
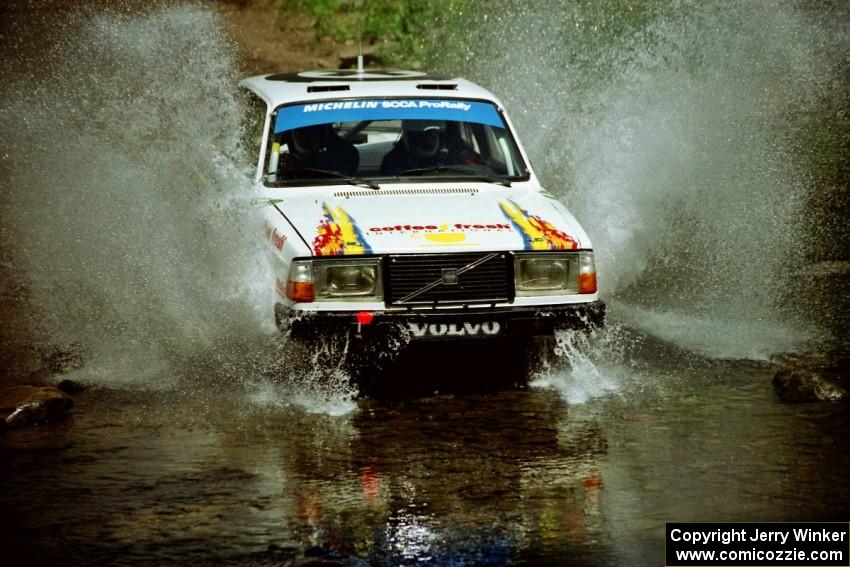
[[363, 318]]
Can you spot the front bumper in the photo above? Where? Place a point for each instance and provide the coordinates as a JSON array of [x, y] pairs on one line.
[[460, 324]]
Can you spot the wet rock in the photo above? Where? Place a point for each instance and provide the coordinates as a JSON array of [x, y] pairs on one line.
[[13, 396], [70, 386], [795, 384], [33, 405]]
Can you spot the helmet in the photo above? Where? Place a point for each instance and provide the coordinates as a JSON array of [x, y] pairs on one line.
[[422, 137], [306, 141]]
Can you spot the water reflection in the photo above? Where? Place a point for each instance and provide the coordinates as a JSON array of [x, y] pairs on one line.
[[449, 478], [476, 478], [495, 475]]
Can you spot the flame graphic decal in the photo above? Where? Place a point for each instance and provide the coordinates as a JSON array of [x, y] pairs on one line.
[[539, 234], [338, 234]]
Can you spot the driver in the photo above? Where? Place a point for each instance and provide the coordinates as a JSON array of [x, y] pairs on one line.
[[420, 145], [318, 147], [427, 143]]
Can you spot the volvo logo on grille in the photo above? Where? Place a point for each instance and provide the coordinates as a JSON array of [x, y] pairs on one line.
[[449, 276]]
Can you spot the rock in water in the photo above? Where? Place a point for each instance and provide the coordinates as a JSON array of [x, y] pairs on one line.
[[36, 413], [32, 405], [795, 385], [70, 386]]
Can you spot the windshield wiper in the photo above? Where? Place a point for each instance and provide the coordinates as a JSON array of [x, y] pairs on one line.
[[358, 181], [456, 169]]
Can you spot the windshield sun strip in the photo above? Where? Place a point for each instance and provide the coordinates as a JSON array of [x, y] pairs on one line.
[[280, 107]]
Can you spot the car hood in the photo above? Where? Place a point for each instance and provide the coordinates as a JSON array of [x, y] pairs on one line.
[[404, 218]]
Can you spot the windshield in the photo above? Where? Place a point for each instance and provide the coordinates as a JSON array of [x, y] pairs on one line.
[[390, 139]]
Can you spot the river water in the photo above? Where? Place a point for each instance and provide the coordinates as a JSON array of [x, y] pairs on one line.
[[680, 134], [484, 474]]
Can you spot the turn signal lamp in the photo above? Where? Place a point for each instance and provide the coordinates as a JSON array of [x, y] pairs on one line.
[[299, 286], [587, 273]]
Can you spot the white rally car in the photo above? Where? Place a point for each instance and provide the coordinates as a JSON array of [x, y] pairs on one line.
[[402, 202]]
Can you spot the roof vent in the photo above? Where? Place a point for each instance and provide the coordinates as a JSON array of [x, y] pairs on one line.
[[327, 88], [437, 87]]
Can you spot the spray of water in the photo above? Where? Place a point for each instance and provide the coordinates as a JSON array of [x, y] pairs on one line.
[[128, 198], [679, 133], [673, 129], [676, 132], [575, 372], [322, 385]]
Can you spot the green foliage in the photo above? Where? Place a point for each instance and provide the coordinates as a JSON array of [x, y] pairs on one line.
[[404, 31], [324, 14]]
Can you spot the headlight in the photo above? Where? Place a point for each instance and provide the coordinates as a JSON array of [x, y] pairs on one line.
[[348, 280], [554, 273], [335, 280]]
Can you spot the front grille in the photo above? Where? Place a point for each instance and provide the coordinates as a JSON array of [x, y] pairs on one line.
[[490, 282]]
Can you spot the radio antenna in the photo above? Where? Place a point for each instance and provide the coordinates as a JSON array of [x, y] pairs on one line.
[[360, 57]]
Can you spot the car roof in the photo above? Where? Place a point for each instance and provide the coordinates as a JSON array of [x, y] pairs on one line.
[[283, 88]]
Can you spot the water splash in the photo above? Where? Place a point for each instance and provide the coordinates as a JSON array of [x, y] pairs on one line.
[[716, 337], [576, 373], [128, 203], [123, 164], [677, 132], [312, 378]]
